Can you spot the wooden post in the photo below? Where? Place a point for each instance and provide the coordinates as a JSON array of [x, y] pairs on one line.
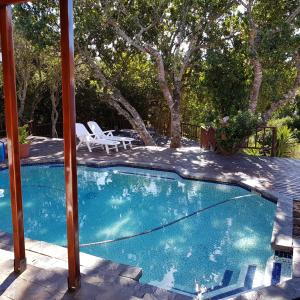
[[11, 119], [274, 142], [69, 115]]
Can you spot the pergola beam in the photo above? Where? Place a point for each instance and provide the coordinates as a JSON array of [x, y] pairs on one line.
[[11, 119], [69, 116]]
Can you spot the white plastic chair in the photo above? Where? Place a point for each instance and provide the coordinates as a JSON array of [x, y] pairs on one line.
[[99, 133], [91, 141]]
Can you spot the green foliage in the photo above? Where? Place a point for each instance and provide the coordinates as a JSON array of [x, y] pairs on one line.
[[226, 81], [216, 83], [285, 139], [24, 134], [279, 122], [286, 142], [232, 134]]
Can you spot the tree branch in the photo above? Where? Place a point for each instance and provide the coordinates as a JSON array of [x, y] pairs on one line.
[[290, 95], [243, 3], [293, 15]]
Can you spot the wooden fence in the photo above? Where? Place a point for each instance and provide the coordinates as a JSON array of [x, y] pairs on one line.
[[264, 139]]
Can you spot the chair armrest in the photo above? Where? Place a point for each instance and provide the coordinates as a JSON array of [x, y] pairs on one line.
[[108, 132]]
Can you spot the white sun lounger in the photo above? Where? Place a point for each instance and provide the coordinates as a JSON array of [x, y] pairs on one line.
[[91, 141], [99, 133]]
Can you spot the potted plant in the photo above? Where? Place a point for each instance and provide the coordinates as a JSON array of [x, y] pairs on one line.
[[23, 142]]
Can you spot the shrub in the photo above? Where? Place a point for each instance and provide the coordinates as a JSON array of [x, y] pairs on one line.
[[23, 134], [286, 142], [232, 134]]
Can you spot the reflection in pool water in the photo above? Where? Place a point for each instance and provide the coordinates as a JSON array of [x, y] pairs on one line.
[[115, 202]]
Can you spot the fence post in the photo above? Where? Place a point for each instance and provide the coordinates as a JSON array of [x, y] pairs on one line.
[[274, 141]]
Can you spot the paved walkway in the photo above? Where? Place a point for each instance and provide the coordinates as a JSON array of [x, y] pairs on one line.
[[275, 177]]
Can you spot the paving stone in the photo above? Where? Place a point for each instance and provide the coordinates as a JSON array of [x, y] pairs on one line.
[[296, 262], [296, 242], [47, 249], [90, 261], [6, 238], [55, 280], [21, 289], [131, 272], [104, 292], [269, 293], [182, 297], [7, 267], [141, 289], [282, 235], [149, 297], [6, 280], [291, 287], [284, 208], [39, 260], [296, 231]]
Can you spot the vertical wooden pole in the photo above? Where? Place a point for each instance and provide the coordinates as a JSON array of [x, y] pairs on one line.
[[11, 119], [69, 115]]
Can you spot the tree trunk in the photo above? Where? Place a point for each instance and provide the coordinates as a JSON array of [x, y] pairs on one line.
[[176, 117], [54, 114], [256, 65], [34, 107], [287, 97], [22, 97], [132, 116], [173, 102], [255, 90], [123, 107]]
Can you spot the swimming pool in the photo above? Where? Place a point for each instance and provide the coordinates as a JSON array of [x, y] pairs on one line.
[[212, 247]]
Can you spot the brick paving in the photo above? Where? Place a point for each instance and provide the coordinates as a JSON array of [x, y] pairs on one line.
[[277, 178]]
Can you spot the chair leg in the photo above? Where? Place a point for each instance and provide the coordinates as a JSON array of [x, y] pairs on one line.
[[124, 145], [77, 147], [117, 150], [89, 146], [107, 149]]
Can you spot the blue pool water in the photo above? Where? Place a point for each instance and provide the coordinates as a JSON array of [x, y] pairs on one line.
[[119, 201]]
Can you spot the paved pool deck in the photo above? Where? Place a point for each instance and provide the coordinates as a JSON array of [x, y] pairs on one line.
[[276, 178]]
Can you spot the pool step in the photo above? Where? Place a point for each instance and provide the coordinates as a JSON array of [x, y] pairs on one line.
[[278, 268], [244, 283]]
